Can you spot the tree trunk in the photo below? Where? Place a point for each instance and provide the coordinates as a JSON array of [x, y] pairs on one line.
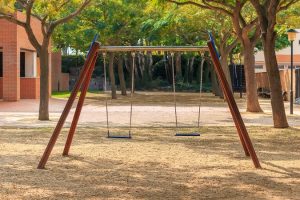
[[224, 64], [206, 73], [143, 65], [112, 76], [279, 116], [44, 84], [121, 75], [214, 83], [191, 70], [167, 67], [186, 71], [140, 69], [150, 64], [251, 86], [178, 65], [127, 63], [267, 13]]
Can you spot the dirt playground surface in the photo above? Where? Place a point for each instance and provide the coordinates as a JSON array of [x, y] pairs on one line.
[[153, 165]]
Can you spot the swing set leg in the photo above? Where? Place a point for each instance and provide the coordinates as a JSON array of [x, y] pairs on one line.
[[236, 115], [76, 116], [93, 51]]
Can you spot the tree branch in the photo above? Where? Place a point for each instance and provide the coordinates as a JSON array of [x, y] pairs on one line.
[[28, 28], [256, 35], [12, 18], [219, 8], [286, 4], [249, 26], [204, 5], [67, 18], [188, 3]]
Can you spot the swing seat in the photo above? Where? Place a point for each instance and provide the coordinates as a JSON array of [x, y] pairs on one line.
[[187, 134], [119, 136]]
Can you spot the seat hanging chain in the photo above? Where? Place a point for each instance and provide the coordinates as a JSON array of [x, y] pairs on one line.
[[105, 88], [200, 92], [132, 91], [174, 90]]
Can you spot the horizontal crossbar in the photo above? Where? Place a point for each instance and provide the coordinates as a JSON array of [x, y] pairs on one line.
[[153, 48]]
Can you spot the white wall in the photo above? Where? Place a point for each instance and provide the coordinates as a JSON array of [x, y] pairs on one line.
[[30, 64], [260, 58]]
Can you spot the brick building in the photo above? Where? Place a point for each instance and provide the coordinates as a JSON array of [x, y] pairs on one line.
[[19, 63], [284, 63]]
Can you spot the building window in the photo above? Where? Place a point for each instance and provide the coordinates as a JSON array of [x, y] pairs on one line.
[[281, 66], [22, 64], [1, 64], [259, 66], [28, 64]]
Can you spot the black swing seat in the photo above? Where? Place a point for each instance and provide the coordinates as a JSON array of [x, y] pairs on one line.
[[188, 134], [119, 136]]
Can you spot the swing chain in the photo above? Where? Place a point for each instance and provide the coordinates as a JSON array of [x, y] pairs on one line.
[[174, 91], [133, 54], [201, 87], [105, 88]]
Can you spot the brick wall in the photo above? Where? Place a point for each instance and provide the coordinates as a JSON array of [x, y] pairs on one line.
[[30, 88], [64, 82], [11, 60], [13, 38], [23, 41], [60, 81], [56, 69]]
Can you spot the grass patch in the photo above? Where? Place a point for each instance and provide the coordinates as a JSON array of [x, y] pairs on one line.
[[61, 95], [66, 94]]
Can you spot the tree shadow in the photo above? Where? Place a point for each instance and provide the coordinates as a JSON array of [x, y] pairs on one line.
[[100, 168]]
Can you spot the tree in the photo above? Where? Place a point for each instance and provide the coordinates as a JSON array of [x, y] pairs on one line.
[[225, 40], [246, 29], [267, 14], [115, 28], [51, 14], [288, 18]]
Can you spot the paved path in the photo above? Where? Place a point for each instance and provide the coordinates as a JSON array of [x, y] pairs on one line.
[[24, 114]]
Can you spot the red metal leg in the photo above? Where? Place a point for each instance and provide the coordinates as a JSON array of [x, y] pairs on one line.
[[76, 116], [236, 115], [63, 117]]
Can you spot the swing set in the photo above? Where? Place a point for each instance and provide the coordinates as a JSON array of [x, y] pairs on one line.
[[85, 78]]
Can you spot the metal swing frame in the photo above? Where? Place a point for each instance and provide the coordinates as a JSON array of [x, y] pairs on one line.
[[85, 78]]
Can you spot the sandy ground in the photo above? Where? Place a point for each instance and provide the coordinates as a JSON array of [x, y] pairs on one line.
[[153, 165]]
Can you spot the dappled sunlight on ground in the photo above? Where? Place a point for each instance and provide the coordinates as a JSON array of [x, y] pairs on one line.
[[153, 165]]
